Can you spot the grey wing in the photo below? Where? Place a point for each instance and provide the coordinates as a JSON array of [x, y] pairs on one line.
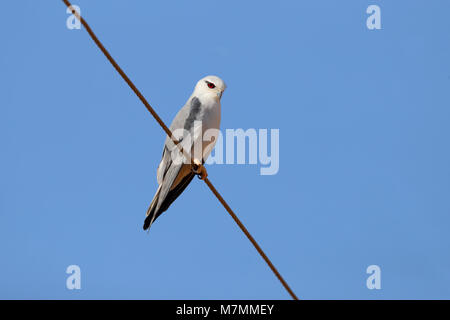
[[173, 177], [183, 120]]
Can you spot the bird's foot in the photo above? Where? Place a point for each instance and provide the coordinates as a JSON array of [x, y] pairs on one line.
[[199, 169]]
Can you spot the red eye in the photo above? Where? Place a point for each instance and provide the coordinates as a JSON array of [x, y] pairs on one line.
[[211, 85]]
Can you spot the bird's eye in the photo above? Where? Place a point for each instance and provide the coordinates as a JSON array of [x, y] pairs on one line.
[[211, 85]]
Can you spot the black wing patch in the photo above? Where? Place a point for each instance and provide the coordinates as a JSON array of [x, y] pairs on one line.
[[193, 113]]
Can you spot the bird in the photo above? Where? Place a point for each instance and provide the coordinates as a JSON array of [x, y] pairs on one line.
[[200, 114]]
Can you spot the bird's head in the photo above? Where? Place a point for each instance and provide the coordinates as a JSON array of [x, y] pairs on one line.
[[210, 86]]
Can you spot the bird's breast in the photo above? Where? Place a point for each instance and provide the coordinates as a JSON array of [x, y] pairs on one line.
[[210, 117]]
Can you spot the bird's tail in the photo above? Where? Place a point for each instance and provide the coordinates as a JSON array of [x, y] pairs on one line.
[[151, 211]]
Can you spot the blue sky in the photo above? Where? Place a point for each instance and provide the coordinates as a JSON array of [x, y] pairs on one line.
[[364, 173]]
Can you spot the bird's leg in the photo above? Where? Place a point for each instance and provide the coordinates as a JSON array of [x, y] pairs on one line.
[[199, 169]]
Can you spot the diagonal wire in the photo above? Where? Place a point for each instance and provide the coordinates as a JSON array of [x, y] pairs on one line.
[[169, 133], [250, 237]]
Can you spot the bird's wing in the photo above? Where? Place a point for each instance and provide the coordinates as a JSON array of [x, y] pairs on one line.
[[174, 177], [184, 119]]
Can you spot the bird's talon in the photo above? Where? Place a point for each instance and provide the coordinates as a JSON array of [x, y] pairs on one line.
[[199, 170]]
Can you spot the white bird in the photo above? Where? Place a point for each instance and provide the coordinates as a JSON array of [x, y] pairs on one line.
[[200, 114]]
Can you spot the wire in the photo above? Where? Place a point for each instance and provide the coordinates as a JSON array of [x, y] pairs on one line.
[[249, 236], [169, 133]]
